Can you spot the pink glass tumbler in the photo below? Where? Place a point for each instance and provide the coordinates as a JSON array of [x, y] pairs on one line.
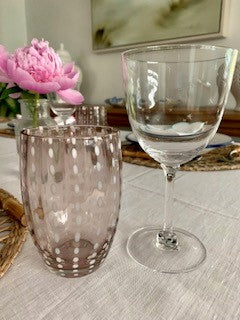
[[71, 188]]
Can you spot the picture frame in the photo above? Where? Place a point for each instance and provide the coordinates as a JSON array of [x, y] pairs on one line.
[[114, 26]]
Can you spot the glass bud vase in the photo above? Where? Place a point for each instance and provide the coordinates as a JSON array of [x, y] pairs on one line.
[[35, 112]]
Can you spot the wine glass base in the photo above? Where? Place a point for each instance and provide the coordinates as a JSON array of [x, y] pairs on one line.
[[142, 247]]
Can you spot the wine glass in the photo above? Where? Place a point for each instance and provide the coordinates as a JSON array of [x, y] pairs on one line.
[[61, 109], [175, 98]]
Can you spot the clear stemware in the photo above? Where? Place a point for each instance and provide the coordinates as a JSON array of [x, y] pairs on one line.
[[61, 109], [175, 98]]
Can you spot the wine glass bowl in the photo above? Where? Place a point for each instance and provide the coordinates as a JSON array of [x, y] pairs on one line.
[[61, 108], [175, 98]]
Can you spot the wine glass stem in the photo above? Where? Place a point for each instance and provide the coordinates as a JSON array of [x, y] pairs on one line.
[[64, 119], [166, 237]]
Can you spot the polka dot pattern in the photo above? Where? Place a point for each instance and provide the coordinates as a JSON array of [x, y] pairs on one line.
[[96, 246], [77, 237], [74, 153], [46, 255], [75, 169], [50, 153], [105, 245], [71, 208], [76, 188], [32, 151], [97, 151], [92, 256], [100, 185], [111, 147], [76, 250], [113, 162], [52, 169], [99, 167], [56, 237]]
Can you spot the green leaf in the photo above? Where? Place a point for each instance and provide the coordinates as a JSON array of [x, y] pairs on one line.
[[3, 110], [2, 86], [6, 92], [11, 103], [27, 95]]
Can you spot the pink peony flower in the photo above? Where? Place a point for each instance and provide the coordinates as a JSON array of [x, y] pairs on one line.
[[39, 69], [3, 65]]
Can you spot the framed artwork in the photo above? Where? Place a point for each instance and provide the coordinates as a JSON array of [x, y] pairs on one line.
[[118, 24]]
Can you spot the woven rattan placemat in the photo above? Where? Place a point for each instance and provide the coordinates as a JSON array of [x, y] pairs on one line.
[[214, 160], [12, 230]]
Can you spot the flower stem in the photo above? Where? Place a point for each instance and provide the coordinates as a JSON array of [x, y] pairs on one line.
[[35, 111]]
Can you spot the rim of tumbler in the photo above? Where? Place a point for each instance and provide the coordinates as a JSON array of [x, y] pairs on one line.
[[126, 55], [24, 132]]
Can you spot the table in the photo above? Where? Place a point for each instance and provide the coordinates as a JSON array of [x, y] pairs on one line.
[[206, 204]]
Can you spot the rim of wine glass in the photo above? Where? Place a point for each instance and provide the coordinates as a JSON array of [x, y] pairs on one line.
[[126, 55], [29, 132]]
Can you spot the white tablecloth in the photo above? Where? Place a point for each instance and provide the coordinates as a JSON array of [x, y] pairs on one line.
[[207, 204]]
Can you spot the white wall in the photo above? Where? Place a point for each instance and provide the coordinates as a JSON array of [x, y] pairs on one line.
[[13, 31], [69, 21]]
